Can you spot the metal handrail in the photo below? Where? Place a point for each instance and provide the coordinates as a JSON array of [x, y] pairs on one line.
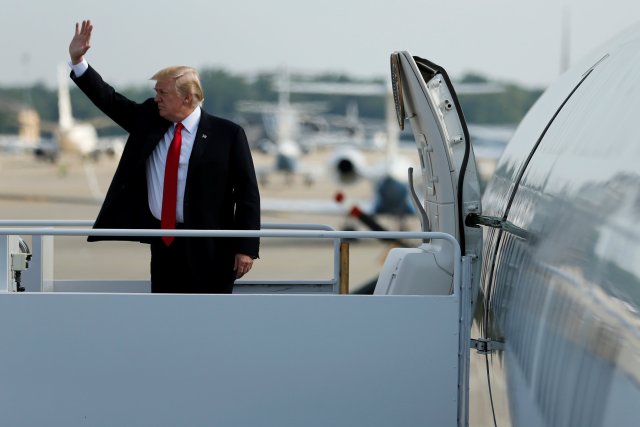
[[334, 281], [89, 223], [46, 222], [283, 233]]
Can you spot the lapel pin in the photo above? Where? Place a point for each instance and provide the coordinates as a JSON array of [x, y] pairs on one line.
[[204, 136]]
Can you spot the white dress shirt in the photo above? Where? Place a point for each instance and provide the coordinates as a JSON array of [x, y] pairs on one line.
[[79, 69], [158, 158]]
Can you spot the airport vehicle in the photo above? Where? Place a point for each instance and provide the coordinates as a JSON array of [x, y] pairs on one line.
[[547, 260]]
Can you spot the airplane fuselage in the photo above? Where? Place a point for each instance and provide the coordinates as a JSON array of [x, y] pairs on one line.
[[563, 293], [80, 138]]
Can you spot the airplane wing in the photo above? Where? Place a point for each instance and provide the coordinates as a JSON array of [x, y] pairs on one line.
[[313, 206]]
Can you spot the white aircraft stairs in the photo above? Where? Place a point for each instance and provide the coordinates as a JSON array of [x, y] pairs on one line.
[[111, 353]]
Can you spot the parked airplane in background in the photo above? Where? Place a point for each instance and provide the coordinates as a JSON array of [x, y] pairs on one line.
[[558, 282], [283, 127], [389, 176], [29, 129], [347, 165], [72, 136]]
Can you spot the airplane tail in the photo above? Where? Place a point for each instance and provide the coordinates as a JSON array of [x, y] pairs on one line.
[[65, 118], [352, 115]]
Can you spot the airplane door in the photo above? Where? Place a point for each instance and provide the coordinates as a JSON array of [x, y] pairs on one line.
[[424, 94]]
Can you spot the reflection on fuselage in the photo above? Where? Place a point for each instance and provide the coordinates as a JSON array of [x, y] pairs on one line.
[[572, 288]]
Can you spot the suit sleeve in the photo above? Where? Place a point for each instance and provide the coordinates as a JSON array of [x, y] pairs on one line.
[[246, 195], [119, 108]]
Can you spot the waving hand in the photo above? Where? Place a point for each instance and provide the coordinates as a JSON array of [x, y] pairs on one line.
[[81, 41]]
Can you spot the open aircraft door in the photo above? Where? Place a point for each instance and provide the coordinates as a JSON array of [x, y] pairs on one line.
[[424, 94]]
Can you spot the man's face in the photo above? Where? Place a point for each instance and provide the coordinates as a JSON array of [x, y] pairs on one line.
[[170, 105]]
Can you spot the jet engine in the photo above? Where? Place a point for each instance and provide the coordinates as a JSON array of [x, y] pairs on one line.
[[347, 165]]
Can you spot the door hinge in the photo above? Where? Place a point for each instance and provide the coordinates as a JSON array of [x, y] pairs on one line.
[[486, 345], [476, 220]]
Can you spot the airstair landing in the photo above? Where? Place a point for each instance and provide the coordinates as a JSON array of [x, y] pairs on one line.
[[308, 358]]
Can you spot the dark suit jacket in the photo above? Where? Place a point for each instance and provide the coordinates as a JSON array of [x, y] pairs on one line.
[[221, 191]]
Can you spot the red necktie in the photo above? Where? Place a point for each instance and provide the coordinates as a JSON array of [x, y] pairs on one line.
[[170, 192]]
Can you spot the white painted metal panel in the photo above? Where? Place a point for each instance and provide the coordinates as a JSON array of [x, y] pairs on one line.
[[228, 360]]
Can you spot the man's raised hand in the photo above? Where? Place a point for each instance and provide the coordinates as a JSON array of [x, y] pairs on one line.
[[81, 41]]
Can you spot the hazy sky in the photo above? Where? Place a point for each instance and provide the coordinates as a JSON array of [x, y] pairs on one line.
[[504, 39]]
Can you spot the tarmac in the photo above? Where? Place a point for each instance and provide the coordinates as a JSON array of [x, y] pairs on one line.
[[73, 189]]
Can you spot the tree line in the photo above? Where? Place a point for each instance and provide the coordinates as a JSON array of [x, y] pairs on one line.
[[224, 90]]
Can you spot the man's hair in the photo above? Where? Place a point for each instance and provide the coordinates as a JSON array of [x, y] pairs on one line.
[[186, 79]]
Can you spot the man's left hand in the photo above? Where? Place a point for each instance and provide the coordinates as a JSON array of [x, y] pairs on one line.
[[242, 265]]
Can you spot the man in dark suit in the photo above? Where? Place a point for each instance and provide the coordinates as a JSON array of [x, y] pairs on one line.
[[181, 168]]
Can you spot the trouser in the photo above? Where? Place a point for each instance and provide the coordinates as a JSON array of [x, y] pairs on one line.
[[174, 271]]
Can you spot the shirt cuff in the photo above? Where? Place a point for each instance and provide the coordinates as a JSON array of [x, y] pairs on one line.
[[80, 68]]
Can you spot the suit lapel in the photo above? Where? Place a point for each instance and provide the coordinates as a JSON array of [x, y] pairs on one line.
[[198, 151], [154, 136]]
